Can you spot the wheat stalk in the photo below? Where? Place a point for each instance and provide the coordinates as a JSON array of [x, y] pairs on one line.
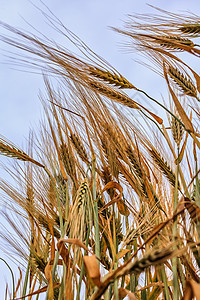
[[38, 261], [80, 213], [134, 159], [155, 257], [107, 177], [44, 223]]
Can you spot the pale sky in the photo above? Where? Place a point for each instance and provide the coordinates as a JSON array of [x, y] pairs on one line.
[[89, 19]]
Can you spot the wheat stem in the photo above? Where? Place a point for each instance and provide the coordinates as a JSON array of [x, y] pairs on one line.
[[96, 214], [13, 279], [175, 260], [82, 265], [161, 105]]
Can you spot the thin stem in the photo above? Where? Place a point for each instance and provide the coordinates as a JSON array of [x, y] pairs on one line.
[[160, 104], [175, 259], [26, 279], [61, 289], [116, 294], [82, 266], [13, 279], [175, 157], [164, 279], [96, 217]]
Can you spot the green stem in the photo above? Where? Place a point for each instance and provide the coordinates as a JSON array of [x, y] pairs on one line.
[[174, 154], [116, 293], [164, 279], [82, 266], [160, 104], [181, 273], [106, 295], [61, 289], [26, 279], [13, 279], [67, 203], [153, 121]]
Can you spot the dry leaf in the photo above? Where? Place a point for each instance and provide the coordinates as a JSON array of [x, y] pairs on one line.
[[76, 242], [123, 209], [122, 253], [92, 268], [115, 185], [47, 270], [192, 290], [120, 203], [64, 252], [157, 118], [124, 292], [192, 209]]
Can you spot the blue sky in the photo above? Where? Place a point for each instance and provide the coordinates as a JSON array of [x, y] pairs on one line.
[[89, 19]]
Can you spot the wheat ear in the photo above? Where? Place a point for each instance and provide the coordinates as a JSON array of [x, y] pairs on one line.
[[183, 82], [163, 166], [12, 151], [79, 147], [111, 78], [155, 257], [110, 157], [114, 95], [192, 29], [67, 159], [175, 42], [177, 131], [134, 161]]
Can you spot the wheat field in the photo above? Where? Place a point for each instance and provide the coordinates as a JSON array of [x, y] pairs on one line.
[[106, 200]]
